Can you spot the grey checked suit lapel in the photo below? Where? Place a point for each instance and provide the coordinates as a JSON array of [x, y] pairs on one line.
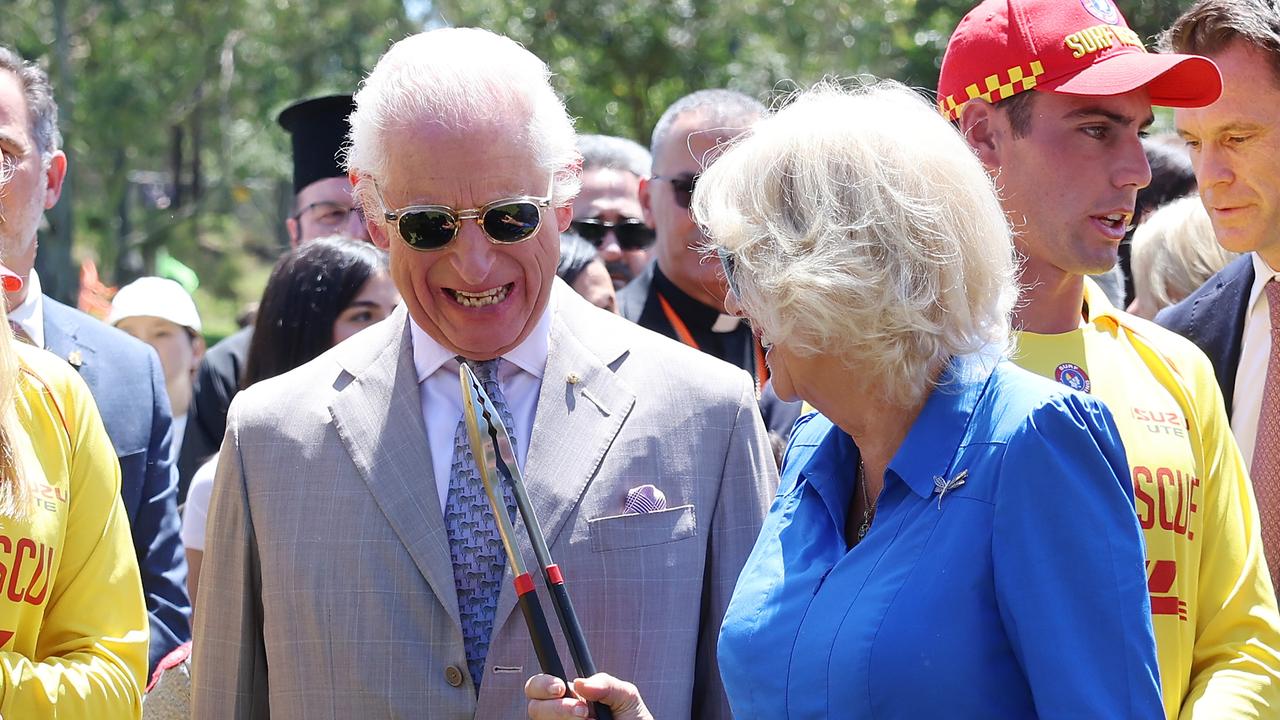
[[571, 432], [378, 416]]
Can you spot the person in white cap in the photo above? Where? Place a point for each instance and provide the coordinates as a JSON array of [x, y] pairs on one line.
[[161, 313]]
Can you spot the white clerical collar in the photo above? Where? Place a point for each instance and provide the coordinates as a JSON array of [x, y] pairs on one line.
[[1262, 274], [530, 355], [30, 314], [726, 323]]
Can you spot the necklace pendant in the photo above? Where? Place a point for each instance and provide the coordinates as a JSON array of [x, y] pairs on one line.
[[865, 526]]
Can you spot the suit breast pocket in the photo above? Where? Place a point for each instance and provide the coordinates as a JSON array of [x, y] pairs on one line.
[[621, 532]]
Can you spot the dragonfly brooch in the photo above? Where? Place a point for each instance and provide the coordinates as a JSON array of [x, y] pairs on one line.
[[941, 486]]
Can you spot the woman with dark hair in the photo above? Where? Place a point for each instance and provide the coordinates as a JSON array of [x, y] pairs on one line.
[[318, 295], [581, 267]]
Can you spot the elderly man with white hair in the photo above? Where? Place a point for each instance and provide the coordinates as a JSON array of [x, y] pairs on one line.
[[339, 579]]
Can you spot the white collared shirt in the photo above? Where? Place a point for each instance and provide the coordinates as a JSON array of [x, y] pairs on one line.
[[1255, 352], [726, 323], [179, 431], [30, 314], [441, 396]]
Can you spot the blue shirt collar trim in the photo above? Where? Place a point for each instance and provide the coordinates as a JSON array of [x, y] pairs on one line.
[[928, 450], [935, 438]]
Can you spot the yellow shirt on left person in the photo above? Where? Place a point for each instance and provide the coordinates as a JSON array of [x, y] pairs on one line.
[[73, 621]]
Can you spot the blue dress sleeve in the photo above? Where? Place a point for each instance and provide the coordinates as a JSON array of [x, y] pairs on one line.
[[1069, 566]]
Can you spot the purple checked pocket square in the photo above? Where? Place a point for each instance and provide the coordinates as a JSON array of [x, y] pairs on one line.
[[644, 499]]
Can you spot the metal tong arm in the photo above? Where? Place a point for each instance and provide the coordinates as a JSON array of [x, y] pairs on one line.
[[506, 465], [483, 441]]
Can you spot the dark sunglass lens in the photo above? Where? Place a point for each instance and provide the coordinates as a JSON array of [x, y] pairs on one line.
[[592, 232], [428, 229], [512, 222], [634, 235], [683, 188]]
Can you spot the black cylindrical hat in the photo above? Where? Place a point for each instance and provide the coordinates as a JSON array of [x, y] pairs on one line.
[[317, 127]]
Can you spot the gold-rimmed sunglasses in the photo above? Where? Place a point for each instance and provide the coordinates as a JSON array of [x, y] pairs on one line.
[[432, 227]]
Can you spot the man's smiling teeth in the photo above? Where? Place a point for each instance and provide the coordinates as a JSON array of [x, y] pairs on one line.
[[1115, 219], [488, 297]]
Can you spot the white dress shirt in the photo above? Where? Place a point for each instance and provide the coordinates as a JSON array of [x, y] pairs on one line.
[[441, 395], [1255, 352], [175, 439], [195, 513], [30, 314]]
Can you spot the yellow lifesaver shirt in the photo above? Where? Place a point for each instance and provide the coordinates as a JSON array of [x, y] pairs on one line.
[[1213, 608], [73, 621]]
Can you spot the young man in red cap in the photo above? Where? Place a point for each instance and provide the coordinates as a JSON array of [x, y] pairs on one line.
[[1068, 162]]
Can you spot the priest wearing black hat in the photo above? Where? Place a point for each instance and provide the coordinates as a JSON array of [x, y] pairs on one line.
[[322, 193], [322, 206]]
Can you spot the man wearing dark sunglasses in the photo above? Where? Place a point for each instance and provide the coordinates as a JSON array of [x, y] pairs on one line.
[[322, 206], [349, 531], [606, 212], [681, 294]]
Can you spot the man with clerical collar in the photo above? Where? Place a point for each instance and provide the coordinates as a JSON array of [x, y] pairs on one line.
[[322, 206], [680, 294]]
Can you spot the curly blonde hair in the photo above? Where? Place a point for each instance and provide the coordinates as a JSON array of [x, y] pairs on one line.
[[1174, 252], [862, 226]]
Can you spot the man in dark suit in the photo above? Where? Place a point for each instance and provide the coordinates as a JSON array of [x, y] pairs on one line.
[[123, 373], [1234, 317], [322, 206], [1213, 317]]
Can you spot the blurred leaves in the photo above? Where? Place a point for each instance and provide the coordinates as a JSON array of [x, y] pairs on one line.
[[171, 129], [619, 63], [172, 103]]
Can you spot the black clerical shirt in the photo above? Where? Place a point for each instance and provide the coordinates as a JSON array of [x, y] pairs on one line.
[[711, 331]]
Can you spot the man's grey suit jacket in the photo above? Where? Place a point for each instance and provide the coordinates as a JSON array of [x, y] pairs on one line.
[[327, 589]]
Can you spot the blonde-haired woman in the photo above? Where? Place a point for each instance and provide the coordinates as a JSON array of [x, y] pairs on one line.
[[73, 623], [952, 536], [1174, 252]]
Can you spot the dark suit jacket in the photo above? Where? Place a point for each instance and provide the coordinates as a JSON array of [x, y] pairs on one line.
[[633, 298], [125, 378], [217, 381], [1213, 318]]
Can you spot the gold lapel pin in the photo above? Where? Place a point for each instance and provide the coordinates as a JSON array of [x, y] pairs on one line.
[[75, 358], [573, 378]]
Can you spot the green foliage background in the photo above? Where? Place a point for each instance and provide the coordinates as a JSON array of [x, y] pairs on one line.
[[169, 105]]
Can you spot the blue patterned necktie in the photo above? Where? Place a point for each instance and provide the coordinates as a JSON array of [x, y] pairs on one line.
[[474, 544]]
